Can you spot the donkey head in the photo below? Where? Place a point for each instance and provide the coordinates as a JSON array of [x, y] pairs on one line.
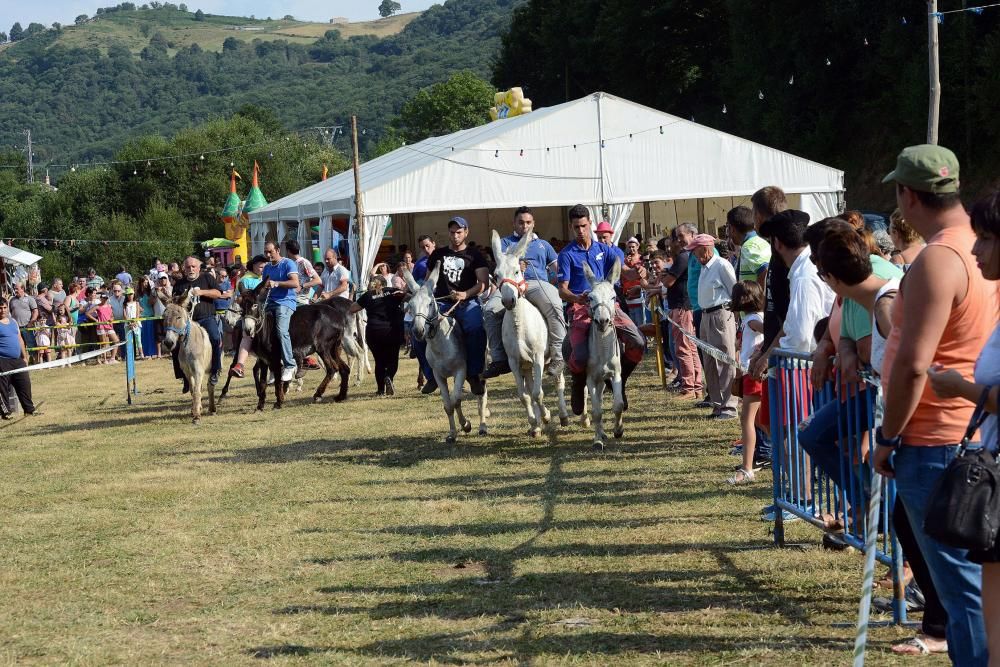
[[422, 306], [176, 324], [509, 275], [251, 309], [602, 297]]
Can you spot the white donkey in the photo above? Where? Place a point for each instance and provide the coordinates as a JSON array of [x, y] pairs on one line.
[[525, 337], [604, 361], [445, 351]]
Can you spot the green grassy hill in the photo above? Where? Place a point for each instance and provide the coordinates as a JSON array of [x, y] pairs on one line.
[[87, 90], [181, 30]]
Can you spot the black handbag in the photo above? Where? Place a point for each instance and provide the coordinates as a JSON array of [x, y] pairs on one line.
[[963, 510]]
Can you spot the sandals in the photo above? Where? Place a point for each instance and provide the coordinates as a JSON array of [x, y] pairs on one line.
[[919, 646], [886, 581], [742, 476]]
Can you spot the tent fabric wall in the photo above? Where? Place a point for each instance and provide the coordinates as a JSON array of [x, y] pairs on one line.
[[599, 150]]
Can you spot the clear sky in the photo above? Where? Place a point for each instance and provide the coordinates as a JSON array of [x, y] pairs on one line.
[[64, 11]]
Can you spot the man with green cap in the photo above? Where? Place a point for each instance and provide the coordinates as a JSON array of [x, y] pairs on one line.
[[943, 314]]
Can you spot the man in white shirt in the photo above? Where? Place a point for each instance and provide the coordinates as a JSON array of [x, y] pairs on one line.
[[718, 324], [811, 298], [336, 278]]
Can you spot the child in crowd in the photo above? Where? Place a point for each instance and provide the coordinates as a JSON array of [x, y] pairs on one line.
[[43, 340], [65, 336], [101, 314], [133, 313], [748, 298]]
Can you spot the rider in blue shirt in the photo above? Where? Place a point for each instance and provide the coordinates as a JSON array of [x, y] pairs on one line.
[[282, 277], [541, 293], [573, 288]]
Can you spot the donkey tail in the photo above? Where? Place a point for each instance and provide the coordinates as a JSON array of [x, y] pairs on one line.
[[350, 344]]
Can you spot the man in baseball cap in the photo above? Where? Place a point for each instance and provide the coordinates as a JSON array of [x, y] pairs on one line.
[[701, 241], [926, 168]]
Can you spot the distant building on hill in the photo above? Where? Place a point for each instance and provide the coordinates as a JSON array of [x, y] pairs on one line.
[[340, 19]]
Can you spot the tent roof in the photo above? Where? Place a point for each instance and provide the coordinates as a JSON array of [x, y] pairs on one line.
[[594, 150], [11, 254]]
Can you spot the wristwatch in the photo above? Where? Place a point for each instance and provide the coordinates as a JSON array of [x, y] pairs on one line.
[[882, 441]]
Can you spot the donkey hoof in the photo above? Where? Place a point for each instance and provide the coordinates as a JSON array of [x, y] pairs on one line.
[[339, 399], [466, 427], [619, 432], [317, 399], [585, 422], [196, 421], [598, 446], [564, 421], [482, 430], [534, 432], [450, 439]]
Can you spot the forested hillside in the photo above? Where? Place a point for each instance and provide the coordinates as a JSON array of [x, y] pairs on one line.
[[85, 102], [842, 82]]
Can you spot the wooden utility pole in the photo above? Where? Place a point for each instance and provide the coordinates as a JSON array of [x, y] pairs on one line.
[[31, 158], [359, 210], [934, 101]]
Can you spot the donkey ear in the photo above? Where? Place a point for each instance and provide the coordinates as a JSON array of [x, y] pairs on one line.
[[589, 274], [432, 278], [411, 284], [181, 299], [616, 272], [495, 244], [522, 246]]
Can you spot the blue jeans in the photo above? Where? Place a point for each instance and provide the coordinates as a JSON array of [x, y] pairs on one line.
[[470, 317], [282, 318], [957, 579], [211, 326], [820, 438]]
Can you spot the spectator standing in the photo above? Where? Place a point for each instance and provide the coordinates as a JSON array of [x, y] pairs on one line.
[[384, 331], [633, 273], [336, 279], [117, 303], [94, 280], [65, 331], [605, 234], [420, 269], [308, 277], [57, 293], [949, 383], [124, 277], [689, 372], [147, 332], [943, 315], [13, 355], [754, 252], [133, 311], [100, 313], [905, 238], [718, 326], [24, 311], [44, 301], [810, 299], [748, 298]]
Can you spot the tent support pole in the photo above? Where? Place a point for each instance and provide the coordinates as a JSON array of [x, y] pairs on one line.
[[359, 213], [600, 151]]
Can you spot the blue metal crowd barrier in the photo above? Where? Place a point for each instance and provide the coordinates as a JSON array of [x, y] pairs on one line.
[[803, 489]]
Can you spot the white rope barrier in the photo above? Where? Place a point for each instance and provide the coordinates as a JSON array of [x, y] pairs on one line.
[[56, 363]]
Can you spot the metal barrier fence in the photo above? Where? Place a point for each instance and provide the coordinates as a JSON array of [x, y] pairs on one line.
[[807, 486]]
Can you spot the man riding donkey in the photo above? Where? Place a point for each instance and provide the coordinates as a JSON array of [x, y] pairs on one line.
[[282, 278], [541, 293], [204, 287], [573, 288], [464, 274]]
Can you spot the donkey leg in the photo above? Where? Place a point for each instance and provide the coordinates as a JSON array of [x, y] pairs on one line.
[[585, 415], [561, 395], [522, 384], [329, 367], [279, 386], [618, 404], [596, 391], [344, 369], [211, 398], [260, 384], [195, 382], [484, 412], [458, 393], [537, 391], [449, 408]]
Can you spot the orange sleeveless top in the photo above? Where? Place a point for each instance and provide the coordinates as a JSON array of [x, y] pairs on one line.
[[942, 421]]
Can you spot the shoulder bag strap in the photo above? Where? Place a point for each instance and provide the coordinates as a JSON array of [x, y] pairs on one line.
[[978, 417]]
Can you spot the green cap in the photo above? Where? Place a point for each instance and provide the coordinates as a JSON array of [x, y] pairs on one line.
[[927, 168]]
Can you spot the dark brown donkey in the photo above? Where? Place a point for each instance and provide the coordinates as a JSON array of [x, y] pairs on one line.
[[317, 327]]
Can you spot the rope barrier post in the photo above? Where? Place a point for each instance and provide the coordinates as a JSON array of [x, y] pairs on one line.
[[654, 303], [871, 537]]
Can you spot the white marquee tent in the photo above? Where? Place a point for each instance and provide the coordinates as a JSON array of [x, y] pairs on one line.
[[601, 151]]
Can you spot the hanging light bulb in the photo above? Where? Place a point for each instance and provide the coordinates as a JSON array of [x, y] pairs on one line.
[[72, 168], [760, 94], [866, 41], [791, 80], [827, 62], [164, 172], [232, 164], [148, 163], [135, 172], [497, 153], [724, 109], [202, 157]]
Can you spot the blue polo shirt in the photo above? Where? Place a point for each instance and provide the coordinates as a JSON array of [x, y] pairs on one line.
[[571, 259], [694, 272], [282, 296], [420, 269], [618, 253], [538, 256]]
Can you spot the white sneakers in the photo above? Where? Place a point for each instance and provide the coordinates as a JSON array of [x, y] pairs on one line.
[[287, 374]]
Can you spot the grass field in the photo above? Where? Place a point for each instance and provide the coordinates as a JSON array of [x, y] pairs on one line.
[[350, 534], [181, 30]]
